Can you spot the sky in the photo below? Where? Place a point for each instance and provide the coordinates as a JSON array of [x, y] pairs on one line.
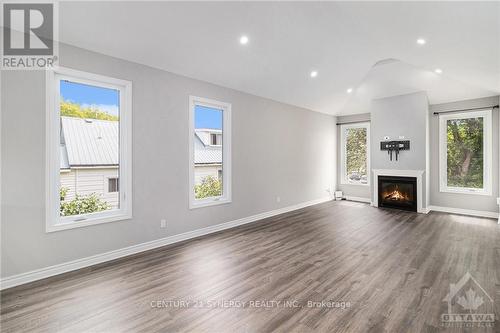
[[205, 117], [107, 100]]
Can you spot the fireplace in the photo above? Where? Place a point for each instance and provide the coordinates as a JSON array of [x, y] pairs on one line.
[[397, 192]]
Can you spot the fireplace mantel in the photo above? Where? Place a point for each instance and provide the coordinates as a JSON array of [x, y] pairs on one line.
[[399, 173]]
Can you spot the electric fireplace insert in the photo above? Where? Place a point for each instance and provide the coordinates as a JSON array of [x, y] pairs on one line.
[[397, 192]]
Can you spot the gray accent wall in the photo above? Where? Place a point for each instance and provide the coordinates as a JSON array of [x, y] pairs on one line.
[[459, 200], [357, 191], [405, 115], [277, 150]]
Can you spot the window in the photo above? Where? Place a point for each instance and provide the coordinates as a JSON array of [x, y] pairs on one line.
[[216, 139], [465, 141], [355, 154], [88, 142], [113, 185], [209, 152]]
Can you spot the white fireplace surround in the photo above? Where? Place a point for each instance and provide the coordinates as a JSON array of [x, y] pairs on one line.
[[399, 173]]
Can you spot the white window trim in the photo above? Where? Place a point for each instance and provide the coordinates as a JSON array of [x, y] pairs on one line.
[[226, 153], [487, 154], [53, 221], [343, 153]]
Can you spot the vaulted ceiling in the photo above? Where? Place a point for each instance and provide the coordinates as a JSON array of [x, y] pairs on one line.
[[342, 41]]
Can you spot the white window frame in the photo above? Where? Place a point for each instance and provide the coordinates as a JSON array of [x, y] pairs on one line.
[[55, 222], [343, 153], [487, 154], [226, 152]]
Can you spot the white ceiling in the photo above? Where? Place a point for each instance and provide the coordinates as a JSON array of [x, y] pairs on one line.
[[341, 40]]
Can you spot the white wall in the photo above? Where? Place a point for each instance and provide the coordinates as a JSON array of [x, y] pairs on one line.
[[292, 157]]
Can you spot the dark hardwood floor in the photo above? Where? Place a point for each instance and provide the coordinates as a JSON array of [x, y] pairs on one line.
[[393, 269]]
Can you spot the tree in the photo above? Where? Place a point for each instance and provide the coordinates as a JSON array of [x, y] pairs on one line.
[[81, 204], [209, 187], [356, 151], [465, 152], [70, 109]]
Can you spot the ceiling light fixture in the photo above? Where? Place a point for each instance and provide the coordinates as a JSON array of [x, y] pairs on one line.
[[421, 41], [438, 70], [349, 90], [314, 73], [243, 40]]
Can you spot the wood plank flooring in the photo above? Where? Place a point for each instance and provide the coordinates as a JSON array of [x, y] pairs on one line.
[[393, 268]]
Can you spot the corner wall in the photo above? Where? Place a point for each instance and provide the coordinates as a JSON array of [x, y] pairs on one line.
[[278, 150]]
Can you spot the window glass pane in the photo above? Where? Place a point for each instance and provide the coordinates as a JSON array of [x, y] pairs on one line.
[[208, 167], [89, 148], [465, 152], [356, 155]]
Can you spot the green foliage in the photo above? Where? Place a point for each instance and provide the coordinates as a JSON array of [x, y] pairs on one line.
[[81, 204], [356, 151], [70, 109], [465, 152], [209, 187]]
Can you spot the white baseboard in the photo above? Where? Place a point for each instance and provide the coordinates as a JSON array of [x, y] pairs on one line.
[[470, 212], [16, 280], [358, 199]]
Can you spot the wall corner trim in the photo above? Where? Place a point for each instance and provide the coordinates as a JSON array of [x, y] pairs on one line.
[[23, 278]]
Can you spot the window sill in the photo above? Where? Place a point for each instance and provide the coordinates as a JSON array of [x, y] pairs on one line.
[[355, 184], [208, 203], [465, 191], [87, 222]]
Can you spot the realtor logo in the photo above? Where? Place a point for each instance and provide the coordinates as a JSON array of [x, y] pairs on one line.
[[469, 305], [29, 31]]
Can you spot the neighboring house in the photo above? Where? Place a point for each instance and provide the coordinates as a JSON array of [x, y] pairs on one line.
[[207, 154], [89, 158]]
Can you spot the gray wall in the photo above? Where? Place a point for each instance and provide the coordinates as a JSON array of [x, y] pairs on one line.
[[405, 115], [458, 200], [358, 191], [278, 150]]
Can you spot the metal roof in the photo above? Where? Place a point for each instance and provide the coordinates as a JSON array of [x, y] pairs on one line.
[[90, 142], [203, 152]]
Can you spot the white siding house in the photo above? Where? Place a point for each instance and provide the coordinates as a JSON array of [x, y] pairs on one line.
[[89, 158], [207, 154]]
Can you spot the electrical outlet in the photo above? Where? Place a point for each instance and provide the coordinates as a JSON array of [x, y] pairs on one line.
[[278, 199], [163, 223]]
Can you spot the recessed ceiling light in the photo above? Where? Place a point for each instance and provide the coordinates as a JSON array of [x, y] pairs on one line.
[[349, 90], [314, 73], [421, 41], [243, 40], [438, 70]]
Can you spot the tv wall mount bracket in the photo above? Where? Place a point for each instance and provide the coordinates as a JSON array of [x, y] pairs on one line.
[[394, 147]]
